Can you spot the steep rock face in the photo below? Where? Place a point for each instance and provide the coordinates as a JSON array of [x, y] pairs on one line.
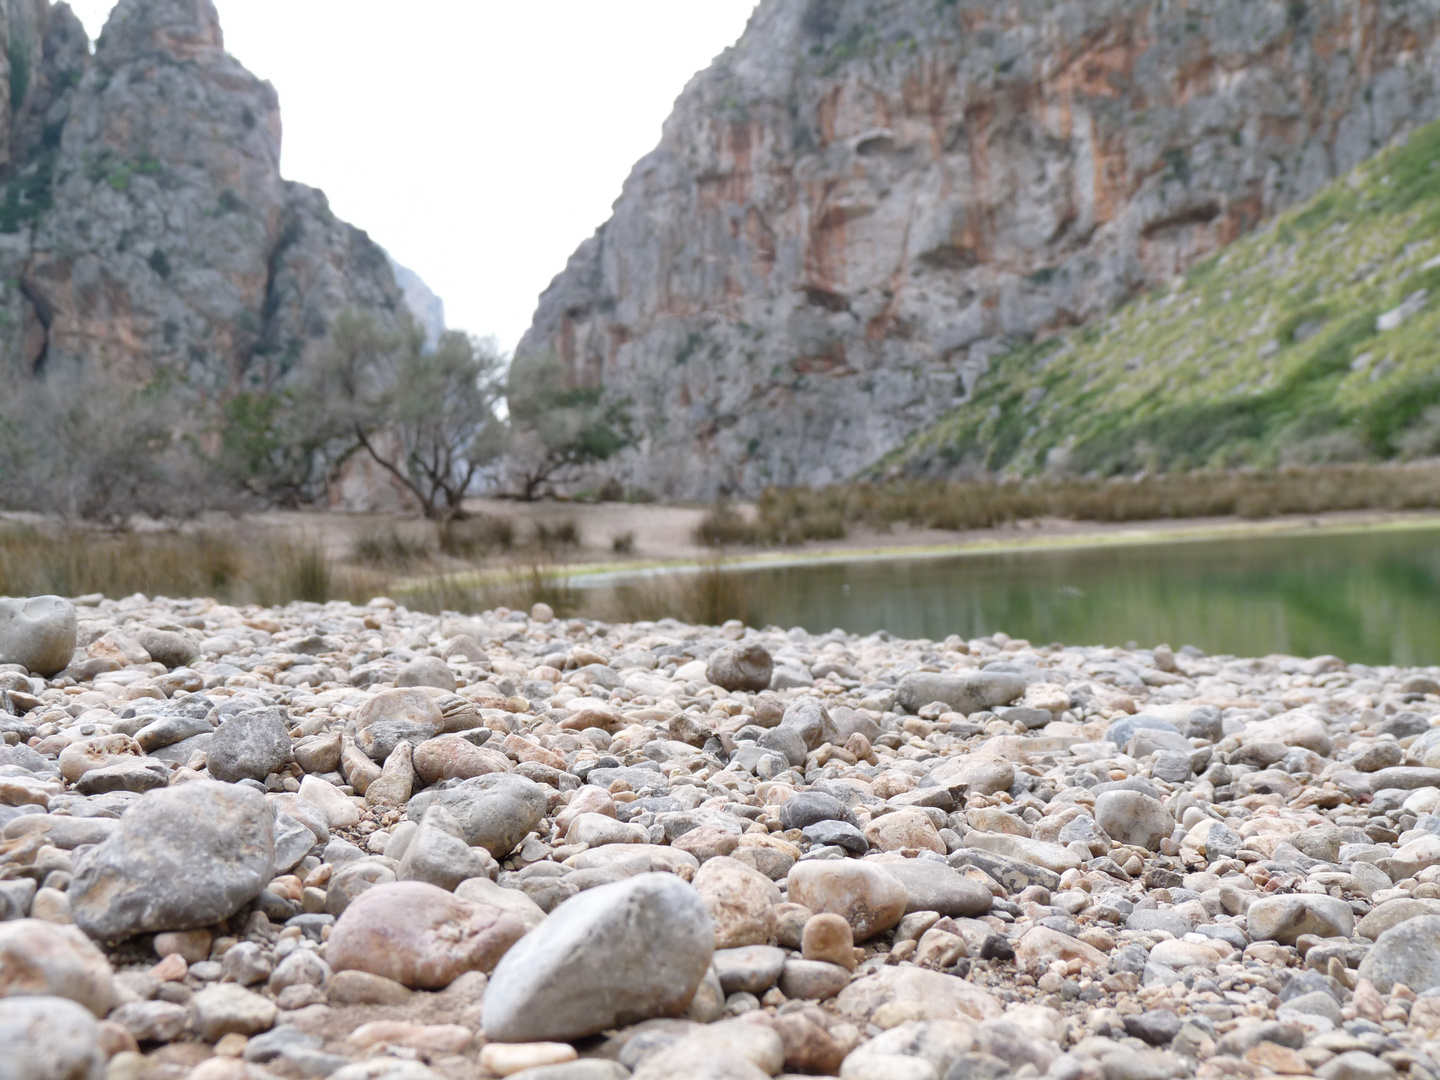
[[863, 202], [146, 227]]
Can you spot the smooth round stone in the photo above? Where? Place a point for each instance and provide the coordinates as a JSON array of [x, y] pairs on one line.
[[866, 895], [181, 858], [411, 712], [44, 959], [929, 995], [507, 1059], [1134, 818], [741, 901], [1285, 918], [337, 809], [805, 808], [1156, 1026], [611, 956], [597, 830], [49, 1038], [454, 757], [752, 969], [38, 633], [419, 935], [250, 746], [934, 886], [191, 945], [978, 774], [481, 890], [585, 1069], [743, 666], [813, 980], [173, 648], [100, 752], [910, 828], [426, 671], [1408, 953], [828, 938]]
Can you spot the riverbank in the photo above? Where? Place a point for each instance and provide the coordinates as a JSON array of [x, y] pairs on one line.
[[864, 857]]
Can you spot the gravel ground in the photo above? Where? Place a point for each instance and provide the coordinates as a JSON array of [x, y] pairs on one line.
[[360, 842]]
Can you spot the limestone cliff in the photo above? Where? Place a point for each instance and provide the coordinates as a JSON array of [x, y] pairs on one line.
[[863, 202], [144, 224]]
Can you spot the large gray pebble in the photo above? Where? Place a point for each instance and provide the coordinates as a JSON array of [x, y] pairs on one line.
[[181, 858], [1134, 819], [934, 886], [966, 692], [250, 746], [37, 633], [1286, 918], [494, 812], [612, 956], [1408, 953], [740, 667], [49, 1038]]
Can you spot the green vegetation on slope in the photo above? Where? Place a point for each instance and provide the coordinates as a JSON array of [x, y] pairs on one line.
[[1314, 340]]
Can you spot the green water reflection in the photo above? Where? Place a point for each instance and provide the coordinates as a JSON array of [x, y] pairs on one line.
[[1371, 597]]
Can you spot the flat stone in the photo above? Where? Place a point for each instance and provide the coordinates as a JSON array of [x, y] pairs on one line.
[[837, 833], [813, 980], [224, 1009], [365, 988], [965, 692], [181, 858], [1050, 857], [454, 757], [419, 935], [805, 808], [612, 956], [752, 969], [337, 809]]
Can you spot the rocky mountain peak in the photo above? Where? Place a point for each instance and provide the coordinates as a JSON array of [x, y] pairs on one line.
[[144, 224], [184, 30]]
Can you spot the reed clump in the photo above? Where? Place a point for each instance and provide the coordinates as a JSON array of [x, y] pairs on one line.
[[795, 515]]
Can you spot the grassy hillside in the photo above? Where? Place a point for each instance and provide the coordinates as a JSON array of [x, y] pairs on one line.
[[1316, 339]]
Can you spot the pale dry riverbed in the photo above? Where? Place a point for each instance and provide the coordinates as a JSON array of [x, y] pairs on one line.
[[360, 842]]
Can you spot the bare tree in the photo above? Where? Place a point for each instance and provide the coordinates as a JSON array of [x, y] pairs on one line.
[[84, 445], [427, 418], [557, 429]]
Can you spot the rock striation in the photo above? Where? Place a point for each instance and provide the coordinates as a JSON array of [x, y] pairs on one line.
[[144, 224], [853, 211]]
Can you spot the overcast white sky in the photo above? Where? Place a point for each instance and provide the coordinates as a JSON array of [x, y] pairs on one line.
[[480, 141]]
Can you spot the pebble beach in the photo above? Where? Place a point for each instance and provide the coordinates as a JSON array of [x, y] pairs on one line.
[[365, 843]]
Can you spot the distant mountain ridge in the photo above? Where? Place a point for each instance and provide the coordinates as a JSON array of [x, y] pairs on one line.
[[144, 224], [862, 205]]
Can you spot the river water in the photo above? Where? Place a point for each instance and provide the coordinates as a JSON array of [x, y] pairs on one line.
[[1370, 597]]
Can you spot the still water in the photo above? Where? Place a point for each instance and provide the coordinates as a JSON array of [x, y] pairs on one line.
[[1370, 597]]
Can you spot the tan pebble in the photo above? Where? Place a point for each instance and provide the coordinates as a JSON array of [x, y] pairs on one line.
[[505, 1059], [219, 1068], [115, 1039], [232, 1045], [828, 937], [363, 988], [172, 969], [193, 945]]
